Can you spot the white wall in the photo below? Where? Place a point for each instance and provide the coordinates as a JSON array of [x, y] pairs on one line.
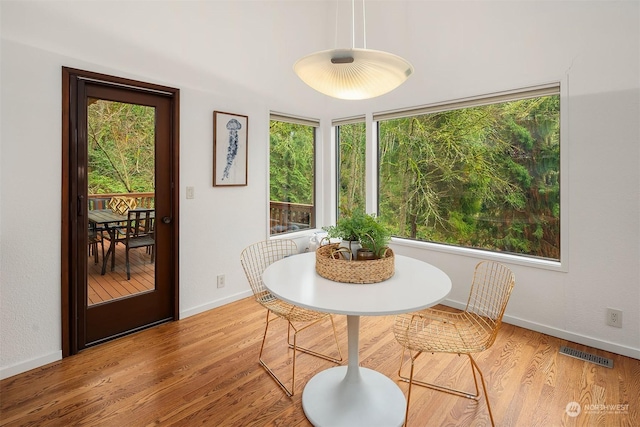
[[237, 57]]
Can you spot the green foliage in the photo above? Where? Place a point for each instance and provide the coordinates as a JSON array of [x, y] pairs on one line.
[[346, 228], [520, 174], [121, 147], [484, 177], [291, 162], [365, 228], [351, 166]]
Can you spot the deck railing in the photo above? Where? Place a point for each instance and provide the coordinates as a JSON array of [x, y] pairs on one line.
[[286, 217], [101, 201]]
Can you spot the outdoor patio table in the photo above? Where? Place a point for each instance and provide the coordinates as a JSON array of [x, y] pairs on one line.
[[110, 220]]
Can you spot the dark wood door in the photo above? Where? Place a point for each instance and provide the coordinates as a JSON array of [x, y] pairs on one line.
[[92, 322]]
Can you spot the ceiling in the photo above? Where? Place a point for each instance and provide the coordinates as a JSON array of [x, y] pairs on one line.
[[252, 45]]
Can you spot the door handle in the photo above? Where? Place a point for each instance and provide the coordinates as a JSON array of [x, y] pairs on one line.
[[80, 207], [166, 219]]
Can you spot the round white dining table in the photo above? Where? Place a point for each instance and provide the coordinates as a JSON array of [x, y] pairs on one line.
[[353, 396]]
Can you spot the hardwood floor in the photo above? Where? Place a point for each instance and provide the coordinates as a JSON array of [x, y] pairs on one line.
[[204, 370]]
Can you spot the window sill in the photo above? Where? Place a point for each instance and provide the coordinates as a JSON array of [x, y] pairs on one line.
[[482, 254]]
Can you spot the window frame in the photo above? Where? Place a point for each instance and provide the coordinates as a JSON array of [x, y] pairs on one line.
[[315, 123], [560, 85], [336, 124]]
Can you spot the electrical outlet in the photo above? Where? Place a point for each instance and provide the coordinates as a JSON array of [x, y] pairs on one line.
[[614, 317], [221, 280]]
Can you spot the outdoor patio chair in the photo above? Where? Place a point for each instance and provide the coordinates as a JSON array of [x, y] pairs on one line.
[[98, 203], [139, 233], [95, 238]]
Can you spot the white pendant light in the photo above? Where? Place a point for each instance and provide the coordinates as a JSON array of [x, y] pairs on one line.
[[353, 73]]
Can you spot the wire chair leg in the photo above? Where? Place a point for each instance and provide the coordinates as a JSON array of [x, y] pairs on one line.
[[293, 363], [335, 338], [438, 387], [413, 359], [312, 352], [475, 367], [264, 336], [288, 392]]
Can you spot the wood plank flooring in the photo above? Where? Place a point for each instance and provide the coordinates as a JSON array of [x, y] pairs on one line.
[[204, 371], [114, 284]]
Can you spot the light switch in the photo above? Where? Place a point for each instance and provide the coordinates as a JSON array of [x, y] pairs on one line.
[[190, 193]]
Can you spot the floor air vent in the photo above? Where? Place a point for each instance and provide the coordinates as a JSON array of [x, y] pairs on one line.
[[579, 354]]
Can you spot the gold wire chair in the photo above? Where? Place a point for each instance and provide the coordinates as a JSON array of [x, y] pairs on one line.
[[255, 259], [465, 332]]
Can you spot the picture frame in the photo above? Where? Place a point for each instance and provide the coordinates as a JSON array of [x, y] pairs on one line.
[[230, 160]]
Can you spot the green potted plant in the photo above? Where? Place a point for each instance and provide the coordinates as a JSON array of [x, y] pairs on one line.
[[374, 238], [365, 229], [347, 229]]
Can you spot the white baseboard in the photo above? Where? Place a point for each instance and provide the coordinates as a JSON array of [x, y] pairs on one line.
[[37, 362], [18, 368], [214, 304], [562, 334], [554, 332]]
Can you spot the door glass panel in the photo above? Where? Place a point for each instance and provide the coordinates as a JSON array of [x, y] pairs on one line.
[[121, 187]]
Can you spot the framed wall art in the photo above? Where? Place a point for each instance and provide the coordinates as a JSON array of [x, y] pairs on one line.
[[229, 149]]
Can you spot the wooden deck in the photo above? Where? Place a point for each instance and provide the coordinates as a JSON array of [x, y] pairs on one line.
[[114, 284]]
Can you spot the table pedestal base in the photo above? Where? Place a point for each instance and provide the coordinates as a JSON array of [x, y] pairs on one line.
[[348, 397]]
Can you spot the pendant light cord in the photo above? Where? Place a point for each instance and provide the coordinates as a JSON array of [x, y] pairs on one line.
[[353, 24], [364, 27], [335, 42]]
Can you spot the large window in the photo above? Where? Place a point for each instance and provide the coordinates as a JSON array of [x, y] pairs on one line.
[[291, 174], [483, 173], [351, 143]]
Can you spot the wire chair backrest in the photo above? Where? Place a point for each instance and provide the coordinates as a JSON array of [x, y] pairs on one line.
[[490, 291], [258, 256]]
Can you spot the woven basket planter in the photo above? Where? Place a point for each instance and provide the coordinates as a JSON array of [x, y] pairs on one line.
[[331, 265]]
